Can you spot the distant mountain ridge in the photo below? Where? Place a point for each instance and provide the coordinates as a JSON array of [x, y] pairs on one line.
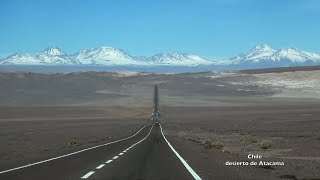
[[264, 54], [182, 59], [103, 56], [261, 56]]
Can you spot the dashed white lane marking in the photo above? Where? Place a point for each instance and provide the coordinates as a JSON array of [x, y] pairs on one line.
[[115, 157], [100, 166], [66, 155], [87, 175], [120, 154], [109, 161], [186, 165]]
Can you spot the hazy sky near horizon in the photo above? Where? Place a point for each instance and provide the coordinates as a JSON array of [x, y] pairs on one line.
[[211, 28]]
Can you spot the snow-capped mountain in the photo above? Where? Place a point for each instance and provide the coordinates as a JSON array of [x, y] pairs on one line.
[[295, 56], [263, 56], [51, 55], [254, 55], [104, 56], [176, 59], [52, 51], [19, 59]]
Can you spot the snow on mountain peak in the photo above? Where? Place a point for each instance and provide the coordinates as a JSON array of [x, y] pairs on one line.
[[52, 51], [104, 55], [263, 46], [265, 54], [287, 52], [103, 52], [19, 59], [260, 51], [114, 52], [261, 56], [295, 55], [177, 59]]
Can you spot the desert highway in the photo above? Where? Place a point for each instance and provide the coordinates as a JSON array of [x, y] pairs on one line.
[[144, 155]]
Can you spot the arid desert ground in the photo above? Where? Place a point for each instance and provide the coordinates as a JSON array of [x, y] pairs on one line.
[[210, 117]]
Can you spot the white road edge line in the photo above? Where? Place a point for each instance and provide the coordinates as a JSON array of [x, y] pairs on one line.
[[66, 155], [87, 175], [186, 165]]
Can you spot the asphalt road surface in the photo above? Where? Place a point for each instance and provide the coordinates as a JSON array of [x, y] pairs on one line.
[[147, 154]]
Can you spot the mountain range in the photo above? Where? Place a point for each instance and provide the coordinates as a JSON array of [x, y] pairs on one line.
[[261, 56], [265, 56]]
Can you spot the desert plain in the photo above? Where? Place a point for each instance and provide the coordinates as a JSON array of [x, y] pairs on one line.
[[210, 117]]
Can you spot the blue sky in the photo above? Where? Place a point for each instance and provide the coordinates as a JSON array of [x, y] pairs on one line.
[[211, 28]]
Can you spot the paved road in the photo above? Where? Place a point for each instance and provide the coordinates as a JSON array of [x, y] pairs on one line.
[[145, 155]]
